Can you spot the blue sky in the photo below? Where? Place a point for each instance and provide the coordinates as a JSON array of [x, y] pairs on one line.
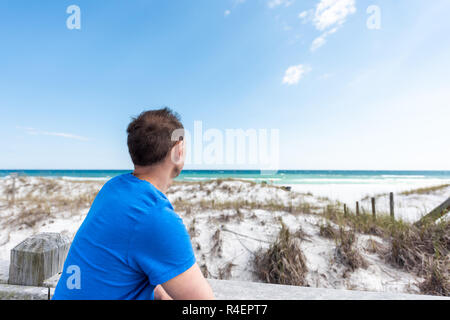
[[363, 99]]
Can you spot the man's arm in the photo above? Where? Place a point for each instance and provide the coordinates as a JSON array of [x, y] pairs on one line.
[[161, 294], [189, 285]]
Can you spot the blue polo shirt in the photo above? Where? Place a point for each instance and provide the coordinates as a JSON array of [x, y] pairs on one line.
[[130, 241]]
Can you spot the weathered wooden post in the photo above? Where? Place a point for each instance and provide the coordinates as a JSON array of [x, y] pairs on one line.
[[357, 208], [374, 214], [345, 210], [37, 258], [391, 205]]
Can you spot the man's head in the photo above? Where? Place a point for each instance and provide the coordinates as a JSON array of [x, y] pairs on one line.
[[156, 137]]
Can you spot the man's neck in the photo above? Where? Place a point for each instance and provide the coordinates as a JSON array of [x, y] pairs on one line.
[[158, 176]]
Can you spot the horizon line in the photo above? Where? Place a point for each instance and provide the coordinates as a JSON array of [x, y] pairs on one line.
[[374, 170]]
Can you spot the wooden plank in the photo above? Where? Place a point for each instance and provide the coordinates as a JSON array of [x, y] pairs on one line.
[[436, 213], [16, 292], [37, 258], [357, 208]]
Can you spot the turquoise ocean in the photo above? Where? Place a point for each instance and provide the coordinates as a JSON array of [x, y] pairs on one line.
[[279, 177]]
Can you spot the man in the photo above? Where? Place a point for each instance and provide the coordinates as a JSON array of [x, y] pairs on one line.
[[132, 245]]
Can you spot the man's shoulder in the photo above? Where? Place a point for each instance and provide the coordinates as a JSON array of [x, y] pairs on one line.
[[121, 178], [113, 183], [124, 187], [161, 211], [137, 197]]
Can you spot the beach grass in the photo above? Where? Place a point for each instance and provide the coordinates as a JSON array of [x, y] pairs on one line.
[[425, 190], [283, 262], [423, 250]]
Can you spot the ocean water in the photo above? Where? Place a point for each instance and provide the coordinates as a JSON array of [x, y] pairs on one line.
[[284, 177]]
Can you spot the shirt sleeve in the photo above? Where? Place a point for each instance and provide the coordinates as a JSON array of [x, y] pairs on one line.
[[160, 246]]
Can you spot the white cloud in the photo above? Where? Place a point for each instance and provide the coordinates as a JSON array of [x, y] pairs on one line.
[[33, 131], [322, 39], [303, 14], [227, 12], [318, 42], [275, 3], [332, 12], [329, 16], [306, 15], [293, 74]]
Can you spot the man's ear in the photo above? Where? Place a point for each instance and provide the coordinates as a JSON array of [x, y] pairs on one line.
[[182, 147], [177, 152]]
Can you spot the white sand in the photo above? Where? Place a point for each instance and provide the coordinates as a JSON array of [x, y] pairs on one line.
[[240, 239]]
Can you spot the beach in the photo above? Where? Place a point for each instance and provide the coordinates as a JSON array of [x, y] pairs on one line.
[[231, 220]]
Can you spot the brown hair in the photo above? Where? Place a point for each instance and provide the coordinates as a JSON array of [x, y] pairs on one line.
[[150, 135]]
